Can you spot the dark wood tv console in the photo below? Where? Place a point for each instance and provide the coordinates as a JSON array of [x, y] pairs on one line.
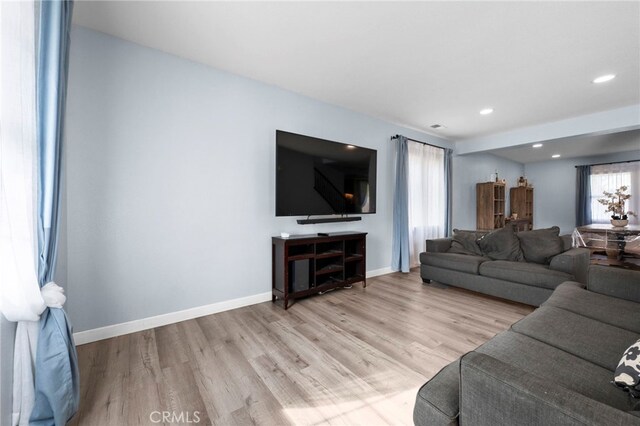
[[303, 265]]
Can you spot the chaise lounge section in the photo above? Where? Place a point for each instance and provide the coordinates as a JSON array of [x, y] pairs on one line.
[[555, 366], [524, 267]]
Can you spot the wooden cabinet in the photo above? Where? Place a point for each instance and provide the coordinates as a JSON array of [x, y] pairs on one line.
[[490, 205], [303, 265], [521, 202]]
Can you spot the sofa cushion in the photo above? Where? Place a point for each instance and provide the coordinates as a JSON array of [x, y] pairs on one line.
[[558, 366], [437, 402], [609, 310], [627, 375], [453, 261], [524, 273], [501, 244], [540, 245], [464, 242], [583, 337]]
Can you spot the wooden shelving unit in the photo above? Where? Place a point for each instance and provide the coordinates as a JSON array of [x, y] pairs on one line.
[[521, 202], [490, 205], [303, 265]]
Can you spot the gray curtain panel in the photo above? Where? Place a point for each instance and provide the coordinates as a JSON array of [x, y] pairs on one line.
[[583, 195], [400, 256]]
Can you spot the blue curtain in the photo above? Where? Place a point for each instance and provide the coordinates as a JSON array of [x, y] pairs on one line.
[[448, 191], [583, 195], [57, 391], [400, 245]]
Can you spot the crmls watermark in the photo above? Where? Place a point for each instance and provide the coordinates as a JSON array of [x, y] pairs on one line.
[[185, 417]]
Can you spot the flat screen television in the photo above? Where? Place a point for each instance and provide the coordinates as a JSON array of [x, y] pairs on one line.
[[320, 177]]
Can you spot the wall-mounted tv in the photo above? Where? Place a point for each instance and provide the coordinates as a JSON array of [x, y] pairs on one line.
[[319, 177]]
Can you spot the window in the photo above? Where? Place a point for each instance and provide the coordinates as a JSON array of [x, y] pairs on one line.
[[609, 177], [426, 196]]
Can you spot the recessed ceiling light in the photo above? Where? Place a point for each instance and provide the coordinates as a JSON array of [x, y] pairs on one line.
[[555, 156], [437, 126], [604, 78], [486, 111], [351, 147], [537, 145]]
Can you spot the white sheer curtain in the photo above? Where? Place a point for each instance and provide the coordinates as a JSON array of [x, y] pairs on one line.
[[609, 177], [426, 196], [20, 297]]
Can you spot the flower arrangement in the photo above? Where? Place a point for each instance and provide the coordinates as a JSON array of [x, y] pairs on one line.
[[615, 203]]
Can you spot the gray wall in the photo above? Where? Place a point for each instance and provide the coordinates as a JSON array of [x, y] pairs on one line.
[[555, 188], [7, 337], [470, 169], [171, 170]]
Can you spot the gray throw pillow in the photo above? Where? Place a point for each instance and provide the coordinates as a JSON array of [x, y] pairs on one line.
[[627, 375], [464, 242], [501, 244], [541, 245]]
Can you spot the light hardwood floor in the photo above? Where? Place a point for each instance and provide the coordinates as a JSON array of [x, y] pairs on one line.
[[354, 356]]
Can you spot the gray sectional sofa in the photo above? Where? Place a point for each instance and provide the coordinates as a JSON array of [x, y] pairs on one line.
[[525, 266], [553, 367]]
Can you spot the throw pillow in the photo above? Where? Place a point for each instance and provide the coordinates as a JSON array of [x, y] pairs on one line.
[[627, 375], [541, 245], [464, 242], [501, 244]]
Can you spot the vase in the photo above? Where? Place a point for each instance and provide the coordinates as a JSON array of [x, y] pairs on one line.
[[619, 223]]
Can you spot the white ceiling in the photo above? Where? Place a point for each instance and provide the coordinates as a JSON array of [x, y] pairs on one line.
[[576, 146], [412, 63]]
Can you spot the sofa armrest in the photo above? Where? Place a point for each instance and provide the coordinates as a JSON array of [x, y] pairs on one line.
[[493, 392], [574, 261], [437, 400], [615, 282], [438, 245]]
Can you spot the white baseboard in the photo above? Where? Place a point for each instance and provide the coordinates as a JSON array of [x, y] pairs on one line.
[[378, 272], [115, 330], [93, 335]]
